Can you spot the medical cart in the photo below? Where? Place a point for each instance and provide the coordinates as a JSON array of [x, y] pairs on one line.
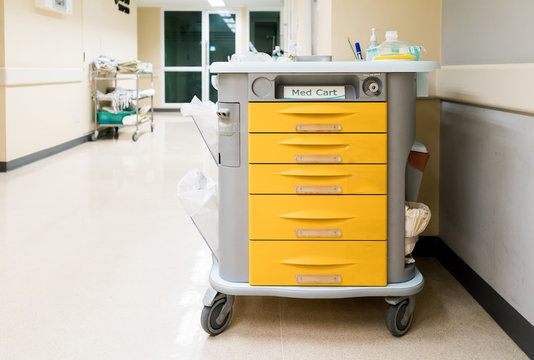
[[115, 78], [312, 161]]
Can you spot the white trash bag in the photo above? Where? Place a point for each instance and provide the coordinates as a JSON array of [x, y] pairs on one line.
[[417, 216], [198, 195], [204, 115]]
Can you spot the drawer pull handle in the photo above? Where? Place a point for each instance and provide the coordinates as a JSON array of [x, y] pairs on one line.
[[317, 158], [318, 111], [317, 127], [317, 279], [317, 189], [314, 173], [317, 215], [305, 140], [318, 233]]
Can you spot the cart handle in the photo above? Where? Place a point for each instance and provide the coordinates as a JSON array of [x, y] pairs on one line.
[[317, 158], [317, 127], [318, 233], [318, 189]]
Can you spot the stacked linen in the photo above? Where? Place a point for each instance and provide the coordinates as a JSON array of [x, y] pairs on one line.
[[134, 66], [122, 98], [131, 66], [104, 64]]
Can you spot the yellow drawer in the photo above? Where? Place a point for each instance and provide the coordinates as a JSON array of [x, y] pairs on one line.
[[317, 148], [318, 217], [319, 263], [337, 117], [317, 179]]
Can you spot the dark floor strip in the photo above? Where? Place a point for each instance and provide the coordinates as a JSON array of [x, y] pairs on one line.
[[520, 330], [166, 110], [28, 159]]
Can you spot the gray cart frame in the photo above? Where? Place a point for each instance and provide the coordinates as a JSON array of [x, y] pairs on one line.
[[229, 273]]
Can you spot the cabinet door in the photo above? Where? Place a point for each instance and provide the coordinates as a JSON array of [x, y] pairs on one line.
[[317, 148], [317, 117], [319, 263], [317, 179], [319, 217]]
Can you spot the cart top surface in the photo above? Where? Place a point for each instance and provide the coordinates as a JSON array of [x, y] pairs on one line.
[[324, 67]]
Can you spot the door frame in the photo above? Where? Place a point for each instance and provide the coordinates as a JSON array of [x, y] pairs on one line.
[[206, 82], [283, 25], [204, 67]]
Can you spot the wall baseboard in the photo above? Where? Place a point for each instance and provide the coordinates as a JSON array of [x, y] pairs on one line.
[[166, 110], [28, 159], [520, 330]]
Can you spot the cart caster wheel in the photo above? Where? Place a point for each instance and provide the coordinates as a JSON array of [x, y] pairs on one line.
[[209, 319], [399, 318], [94, 135], [135, 136], [152, 127]]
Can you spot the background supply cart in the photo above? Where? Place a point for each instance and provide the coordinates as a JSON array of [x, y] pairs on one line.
[[122, 99], [312, 169]]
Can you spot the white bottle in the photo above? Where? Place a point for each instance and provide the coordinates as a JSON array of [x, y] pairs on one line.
[[276, 52], [371, 51], [372, 42]]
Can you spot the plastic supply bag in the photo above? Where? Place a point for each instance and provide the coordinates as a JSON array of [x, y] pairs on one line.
[[198, 195], [204, 115], [417, 216]]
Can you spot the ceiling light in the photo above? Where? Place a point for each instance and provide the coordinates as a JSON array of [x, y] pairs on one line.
[[217, 2]]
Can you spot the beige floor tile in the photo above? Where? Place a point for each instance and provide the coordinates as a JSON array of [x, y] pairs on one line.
[[98, 260]]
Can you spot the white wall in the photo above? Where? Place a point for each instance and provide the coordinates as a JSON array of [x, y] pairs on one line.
[[487, 161], [487, 32], [45, 82], [418, 22], [302, 27], [487, 204], [488, 57], [324, 28]]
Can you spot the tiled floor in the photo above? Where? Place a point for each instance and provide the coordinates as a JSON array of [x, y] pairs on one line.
[[99, 261]]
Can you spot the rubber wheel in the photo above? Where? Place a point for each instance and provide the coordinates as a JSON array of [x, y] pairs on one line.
[[152, 127], [394, 315], [94, 136], [135, 136], [209, 316]]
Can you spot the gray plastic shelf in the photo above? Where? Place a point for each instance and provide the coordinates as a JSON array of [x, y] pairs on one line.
[[407, 288]]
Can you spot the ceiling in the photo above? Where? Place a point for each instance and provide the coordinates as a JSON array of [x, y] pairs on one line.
[[250, 4]]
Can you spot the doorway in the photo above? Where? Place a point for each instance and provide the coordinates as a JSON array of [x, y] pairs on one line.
[[193, 40], [264, 31]]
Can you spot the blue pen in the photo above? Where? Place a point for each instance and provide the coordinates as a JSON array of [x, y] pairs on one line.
[[358, 50]]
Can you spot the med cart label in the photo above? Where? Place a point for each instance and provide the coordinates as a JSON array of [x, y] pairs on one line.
[[314, 92]]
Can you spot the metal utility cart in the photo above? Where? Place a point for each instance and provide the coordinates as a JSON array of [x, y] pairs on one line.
[[115, 78], [312, 161]]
